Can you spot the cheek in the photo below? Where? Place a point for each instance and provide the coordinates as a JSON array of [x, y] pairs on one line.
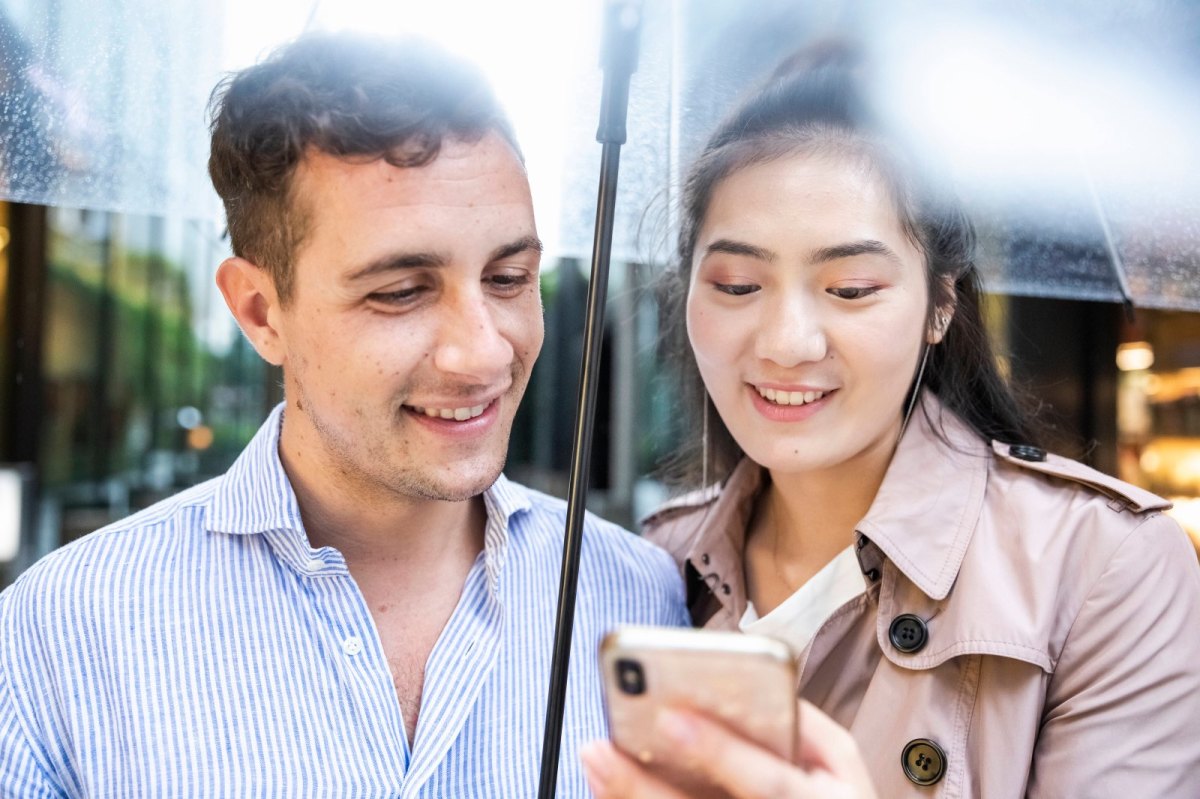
[[523, 325], [699, 329], [716, 335]]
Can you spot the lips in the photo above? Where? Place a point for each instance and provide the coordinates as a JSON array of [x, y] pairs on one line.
[[785, 405]]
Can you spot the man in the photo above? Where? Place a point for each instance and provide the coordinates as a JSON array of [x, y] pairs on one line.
[[362, 605]]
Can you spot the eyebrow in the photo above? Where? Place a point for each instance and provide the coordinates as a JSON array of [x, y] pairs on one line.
[[523, 244], [855, 248], [426, 260], [731, 247]]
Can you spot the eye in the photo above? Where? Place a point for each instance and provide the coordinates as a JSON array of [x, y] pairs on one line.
[[852, 292], [736, 289], [508, 283], [399, 297]]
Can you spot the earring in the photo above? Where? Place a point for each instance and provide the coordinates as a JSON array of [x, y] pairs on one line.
[[704, 444]]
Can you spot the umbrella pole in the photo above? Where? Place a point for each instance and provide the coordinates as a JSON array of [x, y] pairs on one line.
[[622, 25]]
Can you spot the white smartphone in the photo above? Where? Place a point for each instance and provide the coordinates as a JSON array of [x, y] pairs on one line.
[[747, 682]]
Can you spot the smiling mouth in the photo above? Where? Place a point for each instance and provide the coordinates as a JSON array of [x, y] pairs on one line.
[[789, 397], [457, 414]]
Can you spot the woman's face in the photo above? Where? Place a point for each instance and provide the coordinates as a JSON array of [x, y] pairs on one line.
[[806, 312]]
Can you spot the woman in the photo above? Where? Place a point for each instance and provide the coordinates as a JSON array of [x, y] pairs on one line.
[[981, 618]]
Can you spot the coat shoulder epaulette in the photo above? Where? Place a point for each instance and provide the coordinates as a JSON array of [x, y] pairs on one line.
[[1121, 495]]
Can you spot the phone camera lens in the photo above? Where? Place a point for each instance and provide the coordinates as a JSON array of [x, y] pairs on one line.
[[630, 677]]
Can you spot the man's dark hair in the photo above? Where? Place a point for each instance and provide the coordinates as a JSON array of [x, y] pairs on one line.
[[814, 104], [348, 95]]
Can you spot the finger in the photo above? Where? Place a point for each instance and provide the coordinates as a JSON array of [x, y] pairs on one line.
[[826, 747], [822, 742], [743, 769], [613, 775]]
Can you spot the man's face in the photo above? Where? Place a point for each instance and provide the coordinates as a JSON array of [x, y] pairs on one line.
[[414, 321]]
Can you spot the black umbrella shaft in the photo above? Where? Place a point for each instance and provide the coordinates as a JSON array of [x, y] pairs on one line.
[[581, 458]]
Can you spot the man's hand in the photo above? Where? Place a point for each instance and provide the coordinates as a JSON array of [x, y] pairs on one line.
[[828, 765]]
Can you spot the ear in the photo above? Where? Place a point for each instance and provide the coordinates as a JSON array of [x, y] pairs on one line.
[[250, 294], [942, 316]]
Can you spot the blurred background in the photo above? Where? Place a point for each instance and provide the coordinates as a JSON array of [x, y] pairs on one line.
[[1068, 128]]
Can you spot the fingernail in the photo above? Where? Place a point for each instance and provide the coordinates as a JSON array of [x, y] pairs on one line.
[[676, 727], [597, 766]]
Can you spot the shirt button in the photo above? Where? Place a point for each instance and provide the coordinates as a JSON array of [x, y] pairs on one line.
[[352, 645], [924, 761], [1027, 452], [316, 564], [908, 633]]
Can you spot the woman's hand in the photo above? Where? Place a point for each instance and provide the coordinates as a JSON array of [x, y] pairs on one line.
[[828, 765]]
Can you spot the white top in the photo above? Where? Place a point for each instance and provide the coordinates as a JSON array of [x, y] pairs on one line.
[[796, 620]]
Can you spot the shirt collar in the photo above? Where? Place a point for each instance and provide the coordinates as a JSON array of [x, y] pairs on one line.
[[256, 496], [504, 500]]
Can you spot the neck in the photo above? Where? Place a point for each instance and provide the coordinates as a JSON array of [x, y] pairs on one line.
[[370, 525], [811, 516]]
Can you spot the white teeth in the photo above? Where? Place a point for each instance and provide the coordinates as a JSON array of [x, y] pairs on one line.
[[457, 414], [790, 397]]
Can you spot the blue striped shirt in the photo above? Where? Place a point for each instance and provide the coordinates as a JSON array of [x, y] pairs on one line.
[[203, 648]]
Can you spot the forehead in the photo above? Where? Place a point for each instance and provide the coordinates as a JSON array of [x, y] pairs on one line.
[[459, 168], [820, 192]]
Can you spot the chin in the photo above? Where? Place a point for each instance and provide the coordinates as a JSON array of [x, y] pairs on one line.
[[461, 485]]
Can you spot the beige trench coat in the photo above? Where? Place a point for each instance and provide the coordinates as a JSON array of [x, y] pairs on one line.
[[1029, 628]]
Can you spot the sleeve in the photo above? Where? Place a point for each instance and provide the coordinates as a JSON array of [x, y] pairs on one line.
[[22, 775], [1122, 713]]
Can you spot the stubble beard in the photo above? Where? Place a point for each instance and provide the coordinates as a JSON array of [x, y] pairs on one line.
[[371, 468]]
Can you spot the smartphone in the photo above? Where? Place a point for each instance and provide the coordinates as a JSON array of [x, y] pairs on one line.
[[747, 682]]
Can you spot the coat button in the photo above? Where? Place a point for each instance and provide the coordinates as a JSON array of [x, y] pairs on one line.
[[1027, 452], [908, 633], [924, 761]]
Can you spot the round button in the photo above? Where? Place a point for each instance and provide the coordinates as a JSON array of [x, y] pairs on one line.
[[924, 761], [908, 633], [316, 564], [352, 645], [1027, 452]]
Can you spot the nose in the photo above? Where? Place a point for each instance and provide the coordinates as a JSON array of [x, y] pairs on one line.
[[471, 344], [790, 332]]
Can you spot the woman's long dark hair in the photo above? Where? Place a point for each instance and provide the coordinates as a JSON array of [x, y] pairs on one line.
[[813, 104]]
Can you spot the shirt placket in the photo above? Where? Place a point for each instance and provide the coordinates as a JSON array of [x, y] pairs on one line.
[[356, 652], [457, 669]]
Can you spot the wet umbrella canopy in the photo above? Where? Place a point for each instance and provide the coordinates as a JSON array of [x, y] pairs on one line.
[[1067, 128]]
